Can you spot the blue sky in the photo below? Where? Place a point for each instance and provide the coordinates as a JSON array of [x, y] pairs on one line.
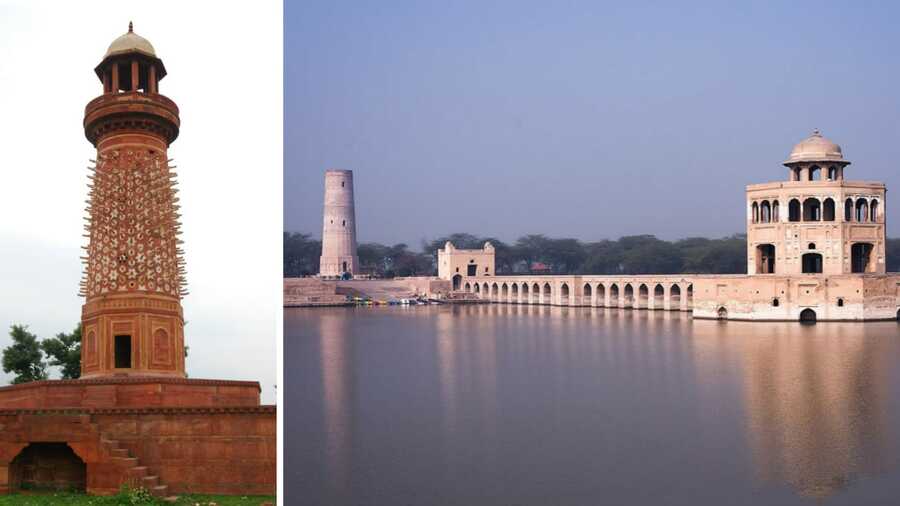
[[577, 119]]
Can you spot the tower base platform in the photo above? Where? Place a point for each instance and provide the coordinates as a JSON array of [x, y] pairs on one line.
[[169, 435], [808, 297]]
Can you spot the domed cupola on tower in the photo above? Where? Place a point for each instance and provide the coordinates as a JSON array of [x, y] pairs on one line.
[[816, 158]]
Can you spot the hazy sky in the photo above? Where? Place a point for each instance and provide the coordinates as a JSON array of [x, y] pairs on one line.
[[228, 157], [577, 119]]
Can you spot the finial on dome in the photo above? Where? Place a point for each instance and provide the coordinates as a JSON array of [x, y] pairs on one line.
[[816, 132], [130, 27]]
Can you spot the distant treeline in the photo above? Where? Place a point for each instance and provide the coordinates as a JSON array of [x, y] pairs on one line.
[[637, 254]]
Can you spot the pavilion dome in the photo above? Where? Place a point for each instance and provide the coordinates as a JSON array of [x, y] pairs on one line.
[[129, 43], [815, 148]]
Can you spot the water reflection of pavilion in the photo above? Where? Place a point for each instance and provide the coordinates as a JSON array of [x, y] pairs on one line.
[[815, 399]]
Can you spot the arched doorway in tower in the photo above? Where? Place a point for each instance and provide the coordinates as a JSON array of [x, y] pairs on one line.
[[807, 316], [812, 263], [861, 257], [659, 296], [457, 282], [812, 210], [47, 466], [828, 210], [794, 210], [765, 259]]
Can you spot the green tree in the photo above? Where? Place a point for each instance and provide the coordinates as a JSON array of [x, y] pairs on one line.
[[23, 357], [64, 351]]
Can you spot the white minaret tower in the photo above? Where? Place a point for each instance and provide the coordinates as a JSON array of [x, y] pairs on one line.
[[339, 229]]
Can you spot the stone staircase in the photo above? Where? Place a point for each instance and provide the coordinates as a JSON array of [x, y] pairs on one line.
[[136, 474]]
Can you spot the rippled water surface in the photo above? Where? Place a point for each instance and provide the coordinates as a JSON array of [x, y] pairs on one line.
[[508, 405]]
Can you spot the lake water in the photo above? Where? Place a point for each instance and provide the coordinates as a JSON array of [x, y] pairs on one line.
[[518, 405]]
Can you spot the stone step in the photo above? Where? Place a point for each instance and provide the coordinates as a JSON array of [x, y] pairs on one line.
[[119, 452], [110, 443], [150, 482], [159, 491], [126, 461], [138, 472]]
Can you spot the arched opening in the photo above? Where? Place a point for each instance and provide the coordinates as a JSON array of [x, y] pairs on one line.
[[643, 296], [828, 210], [862, 210], [601, 295], [811, 245], [812, 210], [722, 313], [794, 210], [504, 291], [832, 173], [477, 288], [848, 210], [586, 294], [495, 290], [564, 294], [659, 296], [765, 212], [515, 292], [525, 293], [873, 211], [536, 293], [775, 212], [754, 214], [808, 316], [775, 302], [814, 172], [614, 295], [629, 295], [690, 296], [812, 263], [840, 302], [468, 287], [548, 293], [47, 466], [861, 257], [675, 297], [485, 291], [765, 259], [457, 281], [795, 173]]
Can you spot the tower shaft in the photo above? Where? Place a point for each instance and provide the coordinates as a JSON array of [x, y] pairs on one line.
[[339, 229]]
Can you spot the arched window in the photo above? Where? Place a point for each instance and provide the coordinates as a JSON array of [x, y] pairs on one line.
[[794, 210], [828, 210], [775, 302], [812, 210], [814, 173], [861, 257], [775, 212], [795, 174], [840, 302], [848, 210], [765, 212], [754, 214], [832, 173], [862, 210], [811, 245], [873, 211]]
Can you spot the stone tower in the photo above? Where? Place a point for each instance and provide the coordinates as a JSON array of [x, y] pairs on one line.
[[816, 222], [339, 228], [132, 323]]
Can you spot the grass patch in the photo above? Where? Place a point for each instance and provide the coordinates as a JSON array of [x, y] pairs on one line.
[[127, 499]]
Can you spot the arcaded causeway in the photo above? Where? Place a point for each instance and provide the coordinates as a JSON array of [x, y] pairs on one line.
[[665, 293]]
